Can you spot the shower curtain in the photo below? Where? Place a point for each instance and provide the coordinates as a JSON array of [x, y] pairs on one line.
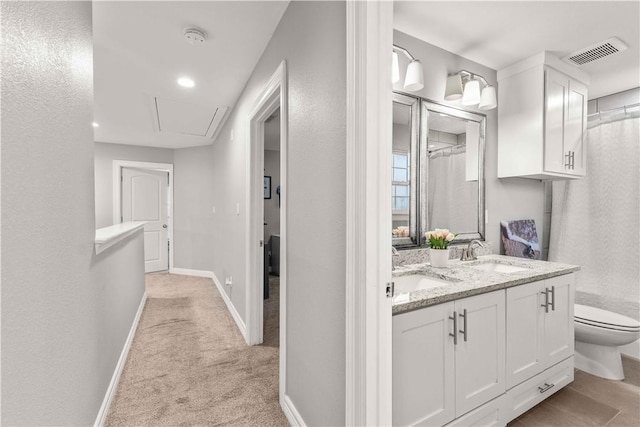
[[595, 221]]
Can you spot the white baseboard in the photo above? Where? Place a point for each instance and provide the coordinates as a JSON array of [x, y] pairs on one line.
[[211, 275], [189, 272], [230, 307], [113, 385], [290, 411]]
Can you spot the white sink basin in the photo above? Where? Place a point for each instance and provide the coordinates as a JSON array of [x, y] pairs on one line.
[[415, 282], [494, 267]]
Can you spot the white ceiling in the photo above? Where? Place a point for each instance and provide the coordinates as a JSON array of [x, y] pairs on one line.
[[500, 33], [140, 51]]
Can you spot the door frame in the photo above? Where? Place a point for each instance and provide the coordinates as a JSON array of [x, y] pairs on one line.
[[368, 368], [273, 96], [117, 192]]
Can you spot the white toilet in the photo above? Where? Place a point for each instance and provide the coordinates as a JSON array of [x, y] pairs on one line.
[[598, 335]]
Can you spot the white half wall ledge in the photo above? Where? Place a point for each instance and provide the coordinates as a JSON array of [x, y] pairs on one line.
[[109, 236]]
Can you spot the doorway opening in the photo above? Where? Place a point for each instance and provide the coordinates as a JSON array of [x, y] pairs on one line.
[[143, 191], [271, 210], [267, 219]]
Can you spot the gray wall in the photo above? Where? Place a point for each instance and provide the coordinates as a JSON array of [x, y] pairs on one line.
[[312, 38], [193, 221], [105, 154], [66, 312], [512, 198]]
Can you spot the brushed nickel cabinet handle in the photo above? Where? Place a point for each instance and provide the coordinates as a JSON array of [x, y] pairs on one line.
[[546, 300], [455, 328], [463, 331], [553, 298], [545, 388]]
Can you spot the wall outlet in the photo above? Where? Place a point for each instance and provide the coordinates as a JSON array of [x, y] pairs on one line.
[[231, 134], [213, 210], [228, 281], [237, 208]]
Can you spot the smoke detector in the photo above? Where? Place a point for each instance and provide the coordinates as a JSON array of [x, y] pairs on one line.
[[596, 52], [195, 36]]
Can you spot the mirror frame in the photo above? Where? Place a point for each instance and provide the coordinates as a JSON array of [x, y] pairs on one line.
[[416, 146], [426, 106]]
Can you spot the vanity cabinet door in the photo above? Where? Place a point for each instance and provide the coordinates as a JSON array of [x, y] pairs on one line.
[[480, 373], [525, 332], [558, 320], [423, 367]]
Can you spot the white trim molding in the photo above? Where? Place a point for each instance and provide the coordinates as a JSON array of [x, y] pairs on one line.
[[115, 379], [274, 96], [369, 148], [117, 192], [291, 412], [232, 310]]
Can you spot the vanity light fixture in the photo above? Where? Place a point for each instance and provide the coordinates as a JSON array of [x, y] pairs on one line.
[[466, 85], [414, 80]]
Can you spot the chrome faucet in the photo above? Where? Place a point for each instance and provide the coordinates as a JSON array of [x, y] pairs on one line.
[[394, 253], [469, 253]]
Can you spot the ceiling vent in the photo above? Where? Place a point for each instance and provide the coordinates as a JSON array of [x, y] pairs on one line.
[[596, 52]]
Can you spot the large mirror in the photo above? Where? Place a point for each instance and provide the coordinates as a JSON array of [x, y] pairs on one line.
[[438, 171]]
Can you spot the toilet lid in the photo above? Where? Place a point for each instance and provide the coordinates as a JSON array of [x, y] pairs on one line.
[[598, 317]]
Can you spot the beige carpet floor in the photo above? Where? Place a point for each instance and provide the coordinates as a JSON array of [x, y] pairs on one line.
[[189, 365]]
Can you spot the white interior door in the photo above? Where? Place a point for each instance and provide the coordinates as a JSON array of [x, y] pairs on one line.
[[144, 198]]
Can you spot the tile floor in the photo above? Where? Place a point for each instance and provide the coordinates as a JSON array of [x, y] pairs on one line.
[[590, 401]]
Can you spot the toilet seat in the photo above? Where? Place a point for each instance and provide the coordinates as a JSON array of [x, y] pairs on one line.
[[604, 319]]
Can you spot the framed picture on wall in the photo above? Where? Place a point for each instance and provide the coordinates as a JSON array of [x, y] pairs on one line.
[[267, 187]]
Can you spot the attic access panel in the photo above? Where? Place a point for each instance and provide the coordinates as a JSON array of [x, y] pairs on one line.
[[186, 118]]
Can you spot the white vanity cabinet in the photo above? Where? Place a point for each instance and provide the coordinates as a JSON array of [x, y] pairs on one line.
[[485, 359], [448, 359], [542, 119]]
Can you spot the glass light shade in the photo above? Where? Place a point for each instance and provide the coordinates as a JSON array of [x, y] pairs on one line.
[[453, 90], [471, 94], [488, 98], [395, 68], [415, 76]]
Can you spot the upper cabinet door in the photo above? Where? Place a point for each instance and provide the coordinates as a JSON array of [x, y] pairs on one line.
[[576, 127], [565, 124], [556, 91]]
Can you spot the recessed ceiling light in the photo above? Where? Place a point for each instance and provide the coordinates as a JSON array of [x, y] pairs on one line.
[[186, 82], [95, 125]]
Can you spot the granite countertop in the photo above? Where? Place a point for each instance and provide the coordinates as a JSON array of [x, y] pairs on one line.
[[461, 281]]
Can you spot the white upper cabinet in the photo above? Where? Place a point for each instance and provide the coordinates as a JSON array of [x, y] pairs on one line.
[[542, 119]]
